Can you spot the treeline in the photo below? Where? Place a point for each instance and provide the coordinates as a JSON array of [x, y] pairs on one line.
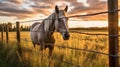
[[27, 28], [13, 27]]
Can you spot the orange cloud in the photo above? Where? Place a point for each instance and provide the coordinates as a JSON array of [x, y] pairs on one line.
[[31, 8]]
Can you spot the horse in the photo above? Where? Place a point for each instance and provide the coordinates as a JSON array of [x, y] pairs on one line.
[[42, 33]]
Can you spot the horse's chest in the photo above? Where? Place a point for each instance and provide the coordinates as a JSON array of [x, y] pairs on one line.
[[46, 39], [50, 40]]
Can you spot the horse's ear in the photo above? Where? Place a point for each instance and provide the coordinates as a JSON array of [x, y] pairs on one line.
[[66, 8], [56, 9]]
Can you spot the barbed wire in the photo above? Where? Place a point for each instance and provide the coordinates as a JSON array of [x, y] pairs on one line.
[[98, 13], [86, 33], [89, 51], [57, 45], [92, 14]]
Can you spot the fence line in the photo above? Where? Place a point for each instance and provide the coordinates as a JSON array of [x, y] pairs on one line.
[[86, 33], [98, 13], [88, 51], [57, 45], [92, 14], [111, 56]]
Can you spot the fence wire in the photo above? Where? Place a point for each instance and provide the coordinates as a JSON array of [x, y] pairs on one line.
[[86, 33], [57, 45], [98, 13], [92, 14]]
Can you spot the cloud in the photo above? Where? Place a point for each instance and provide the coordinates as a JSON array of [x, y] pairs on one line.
[[30, 8], [80, 8], [14, 9], [14, 1]]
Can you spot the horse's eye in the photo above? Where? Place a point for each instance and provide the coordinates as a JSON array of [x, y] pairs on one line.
[[58, 19]]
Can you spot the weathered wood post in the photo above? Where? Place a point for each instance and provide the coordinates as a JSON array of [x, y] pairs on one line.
[[7, 35], [2, 30], [113, 30], [18, 31], [19, 52]]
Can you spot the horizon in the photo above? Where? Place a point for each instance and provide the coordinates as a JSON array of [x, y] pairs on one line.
[[19, 10], [79, 24]]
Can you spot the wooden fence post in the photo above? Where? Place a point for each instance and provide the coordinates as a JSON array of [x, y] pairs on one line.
[[18, 31], [113, 30], [19, 52], [7, 30], [2, 30]]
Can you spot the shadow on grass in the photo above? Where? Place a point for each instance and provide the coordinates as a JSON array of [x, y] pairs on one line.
[[10, 57]]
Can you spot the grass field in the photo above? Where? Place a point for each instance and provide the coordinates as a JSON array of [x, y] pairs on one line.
[[30, 57]]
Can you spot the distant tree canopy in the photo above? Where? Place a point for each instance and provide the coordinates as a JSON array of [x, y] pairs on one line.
[[27, 28], [10, 26], [13, 27]]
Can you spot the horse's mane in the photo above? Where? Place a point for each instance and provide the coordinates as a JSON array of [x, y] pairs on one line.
[[49, 18], [33, 25], [48, 21]]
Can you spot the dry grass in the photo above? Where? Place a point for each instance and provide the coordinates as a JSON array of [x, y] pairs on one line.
[[32, 57]]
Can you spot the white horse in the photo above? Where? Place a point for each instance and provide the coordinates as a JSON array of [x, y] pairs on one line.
[[42, 33]]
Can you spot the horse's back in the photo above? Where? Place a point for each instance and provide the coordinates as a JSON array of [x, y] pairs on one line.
[[34, 24], [35, 30]]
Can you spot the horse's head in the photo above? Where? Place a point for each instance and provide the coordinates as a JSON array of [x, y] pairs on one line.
[[61, 23]]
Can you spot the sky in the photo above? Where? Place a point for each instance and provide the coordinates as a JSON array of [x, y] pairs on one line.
[[23, 9], [36, 9]]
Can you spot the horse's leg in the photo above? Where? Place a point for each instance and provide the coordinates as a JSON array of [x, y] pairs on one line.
[[33, 44], [42, 51], [50, 51], [50, 56]]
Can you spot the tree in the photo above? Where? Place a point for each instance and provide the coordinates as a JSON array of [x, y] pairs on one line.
[[10, 26], [14, 28], [21, 28]]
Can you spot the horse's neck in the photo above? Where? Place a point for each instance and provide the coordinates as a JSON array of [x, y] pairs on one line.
[[49, 26]]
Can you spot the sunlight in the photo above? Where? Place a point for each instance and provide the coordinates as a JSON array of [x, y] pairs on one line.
[[25, 5], [59, 3], [5, 19], [62, 3], [84, 2], [70, 8], [103, 0]]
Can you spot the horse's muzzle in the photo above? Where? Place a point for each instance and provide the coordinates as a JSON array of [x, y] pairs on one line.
[[66, 36]]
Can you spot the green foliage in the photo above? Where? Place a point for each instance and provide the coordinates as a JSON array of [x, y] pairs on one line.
[[8, 55]]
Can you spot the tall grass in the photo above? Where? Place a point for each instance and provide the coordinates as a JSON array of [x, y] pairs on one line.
[[8, 55], [31, 57]]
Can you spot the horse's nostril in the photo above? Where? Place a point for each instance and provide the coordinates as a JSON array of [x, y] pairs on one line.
[[66, 36]]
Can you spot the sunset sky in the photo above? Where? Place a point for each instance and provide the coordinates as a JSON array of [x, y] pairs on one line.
[[37, 9]]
